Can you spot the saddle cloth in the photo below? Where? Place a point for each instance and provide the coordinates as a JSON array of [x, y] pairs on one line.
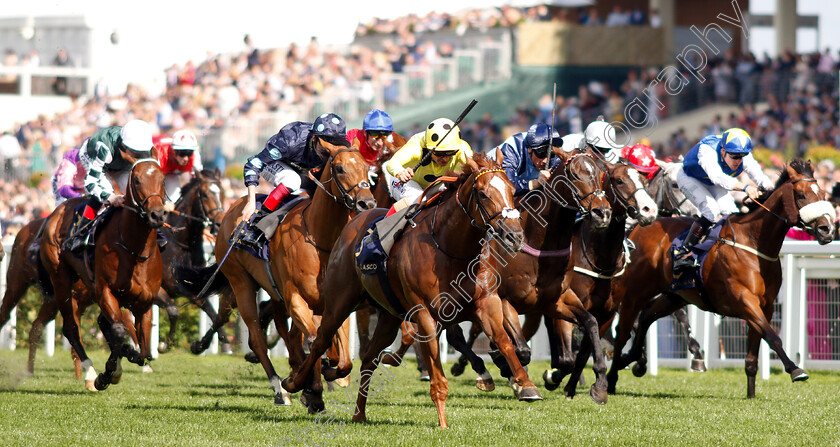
[[268, 224]]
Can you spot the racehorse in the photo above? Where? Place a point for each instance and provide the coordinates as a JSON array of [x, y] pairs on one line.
[[597, 257], [198, 213], [299, 251], [741, 275], [126, 272], [422, 268], [531, 282]]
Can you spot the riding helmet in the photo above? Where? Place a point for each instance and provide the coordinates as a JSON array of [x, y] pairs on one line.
[[184, 140], [331, 127], [137, 136], [736, 141], [601, 135], [436, 130], [378, 120], [538, 135]]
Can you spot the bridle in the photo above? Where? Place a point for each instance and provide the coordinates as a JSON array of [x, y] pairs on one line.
[[788, 222], [632, 210], [134, 205], [664, 193], [345, 197], [584, 211]]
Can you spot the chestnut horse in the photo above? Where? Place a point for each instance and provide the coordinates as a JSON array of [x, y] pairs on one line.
[[423, 271], [741, 275], [299, 251], [127, 270]]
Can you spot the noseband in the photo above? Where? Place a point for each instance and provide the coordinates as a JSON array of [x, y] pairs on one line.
[[345, 198], [135, 206], [596, 193]]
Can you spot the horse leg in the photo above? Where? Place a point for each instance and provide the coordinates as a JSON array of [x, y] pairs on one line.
[[164, 301], [342, 346], [510, 322], [560, 345], [455, 338], [580, 362], [128, 321], [304, 320], [383, 335], [489, 312], [143, 328], [759, 321], [70, 313], [115, 332], [629, 309], [363, 326], [220, 319], [697, 363], [46, 313], [664, 305], [531, 325], [427, 327]]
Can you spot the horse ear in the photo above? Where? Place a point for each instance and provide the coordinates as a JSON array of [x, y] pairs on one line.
[[356, 144], [471, 166], [217, 172], [790, 171]]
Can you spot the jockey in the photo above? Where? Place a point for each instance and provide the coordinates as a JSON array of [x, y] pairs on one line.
[[177, 155], [709, 172], [525, 157], [287, 158], [68, 180], [113, 150], [642, 158], [573, 141], [376, 128], [447, 155], [600, 137]]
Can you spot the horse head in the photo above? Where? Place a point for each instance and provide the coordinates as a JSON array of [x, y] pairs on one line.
[[629, 192], [145, 193], [805, 202], [487, 198], [667, 194], [345, 177], [584, 180], [207, 203]]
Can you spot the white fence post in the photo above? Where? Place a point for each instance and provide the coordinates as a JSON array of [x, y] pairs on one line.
[[154, 339], [8, 333], [49, 338], [653, 348]]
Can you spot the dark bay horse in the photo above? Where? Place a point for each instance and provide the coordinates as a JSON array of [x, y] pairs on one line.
[[127, 269], [597, 257], [423, 271], [299, 252], [741, 275], [198, 213]]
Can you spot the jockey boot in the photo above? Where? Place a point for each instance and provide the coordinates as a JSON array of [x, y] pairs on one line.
[[682, 256], [253, 236], [78, 238], [161, 240]]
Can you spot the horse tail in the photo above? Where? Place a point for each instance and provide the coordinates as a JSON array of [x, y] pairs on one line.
[[190, 280]]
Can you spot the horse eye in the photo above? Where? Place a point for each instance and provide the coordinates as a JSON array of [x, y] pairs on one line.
[[799, 196], [674, 184], [619, 181], [339, 169], [481, 195]]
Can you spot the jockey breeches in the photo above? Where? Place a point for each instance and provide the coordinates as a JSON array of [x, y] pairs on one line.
[[711, 200], [410, 190]]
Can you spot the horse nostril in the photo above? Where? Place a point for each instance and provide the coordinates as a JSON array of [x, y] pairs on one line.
[[824, 229]]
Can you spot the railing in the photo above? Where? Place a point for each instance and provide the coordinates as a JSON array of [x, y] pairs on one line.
[[26, 80], [807, 315]]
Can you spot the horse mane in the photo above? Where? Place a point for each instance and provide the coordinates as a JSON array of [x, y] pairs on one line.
[[475, 164], [798, 165], [190, 186]]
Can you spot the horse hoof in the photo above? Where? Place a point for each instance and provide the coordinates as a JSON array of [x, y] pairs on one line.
[[147, 369], [599, 396], [698, 365], [289, 385], [457, 369], [116, 376], [798, 375], [282, 399], [343, 382], [390, 359], [225, 348], [163, 347], [30, 374], [196, 348], [528, 394], [251, 357], [524, 356], [569, 392], [90, 386], [639, 370], [100, 384], [359, 418], [485, 384], [424, 376], [550, 384]]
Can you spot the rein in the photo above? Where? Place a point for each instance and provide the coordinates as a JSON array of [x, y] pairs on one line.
[[345, 199], [138, 208]]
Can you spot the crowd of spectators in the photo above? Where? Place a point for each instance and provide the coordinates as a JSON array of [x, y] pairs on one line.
[[797, 94]]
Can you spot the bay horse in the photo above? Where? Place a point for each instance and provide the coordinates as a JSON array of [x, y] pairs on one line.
[[741, 275], [127, 269], [597, 257], [532, 282], [299, 252], [423, 270], [198, 213]]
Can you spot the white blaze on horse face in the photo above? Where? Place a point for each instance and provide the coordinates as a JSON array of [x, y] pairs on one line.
[[508, 212], [816, 189], [647, 207], [215, 190]]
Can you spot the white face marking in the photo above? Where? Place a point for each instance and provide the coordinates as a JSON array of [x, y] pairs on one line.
[[499, 184], [215, 190], [816, 189], [634, 176]]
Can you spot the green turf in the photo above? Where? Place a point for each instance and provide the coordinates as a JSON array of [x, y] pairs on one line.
[[222, 400]]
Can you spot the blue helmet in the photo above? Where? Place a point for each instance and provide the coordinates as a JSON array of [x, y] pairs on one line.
[[378, 120], [736, 141], [538, 135], [331, 127]]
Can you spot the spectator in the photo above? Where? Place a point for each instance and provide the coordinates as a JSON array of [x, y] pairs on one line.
[[62, 59]]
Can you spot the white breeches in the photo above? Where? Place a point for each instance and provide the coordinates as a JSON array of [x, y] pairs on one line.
[[711, 200]]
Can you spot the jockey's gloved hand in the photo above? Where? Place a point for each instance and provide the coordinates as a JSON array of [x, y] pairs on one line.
[[169, 207]]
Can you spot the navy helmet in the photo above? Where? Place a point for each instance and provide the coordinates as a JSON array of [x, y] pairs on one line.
[[378, 120], [538, 136], [331, 127]]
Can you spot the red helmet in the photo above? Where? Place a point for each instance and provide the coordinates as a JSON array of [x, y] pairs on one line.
[[642, 158]]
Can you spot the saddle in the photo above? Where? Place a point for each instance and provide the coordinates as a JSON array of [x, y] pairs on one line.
[[268, 225]]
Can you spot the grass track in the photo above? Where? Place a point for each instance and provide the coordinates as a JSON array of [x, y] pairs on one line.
[[222, 400]]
